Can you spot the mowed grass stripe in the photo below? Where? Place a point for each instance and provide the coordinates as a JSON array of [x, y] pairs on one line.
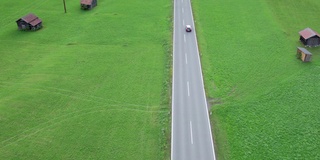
[[89, 84], [265, 103]]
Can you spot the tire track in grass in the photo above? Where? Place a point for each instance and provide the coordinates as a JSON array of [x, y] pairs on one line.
[[77, 95], [63, 118], [94, 99], [137, 107]]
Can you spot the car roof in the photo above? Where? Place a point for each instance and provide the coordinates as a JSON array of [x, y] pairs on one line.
[[188, 26]]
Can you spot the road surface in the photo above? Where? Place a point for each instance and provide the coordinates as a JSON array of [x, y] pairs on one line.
[[191, 137]]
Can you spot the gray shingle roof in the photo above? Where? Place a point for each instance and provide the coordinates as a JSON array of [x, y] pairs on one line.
[[304, 50]]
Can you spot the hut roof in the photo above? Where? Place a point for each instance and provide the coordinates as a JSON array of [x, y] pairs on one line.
[[304, 50], [29, 18], [86, 2], [308, 33], [35, 22]]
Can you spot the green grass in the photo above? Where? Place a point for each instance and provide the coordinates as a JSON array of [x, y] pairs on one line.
[[89, 84], [265, 101]]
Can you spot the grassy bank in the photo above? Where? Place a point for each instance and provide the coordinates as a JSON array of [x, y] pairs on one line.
[[89, 84], [265, 103]]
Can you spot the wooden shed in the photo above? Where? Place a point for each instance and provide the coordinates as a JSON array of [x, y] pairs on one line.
[[309, 37], [303, 54], [29, 22], [88, 4]]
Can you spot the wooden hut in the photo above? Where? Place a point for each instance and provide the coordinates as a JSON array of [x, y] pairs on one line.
[[309, 37], [29, 22], [88, 4], [303, 54]]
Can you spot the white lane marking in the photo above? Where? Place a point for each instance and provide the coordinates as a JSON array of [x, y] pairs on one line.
[[204, 94], [186, 58], [182, 1], [188, 88], [191, 132], [184, 37], [183, 22], [182, 10]]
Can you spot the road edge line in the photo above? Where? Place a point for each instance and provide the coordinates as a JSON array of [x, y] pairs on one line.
[[172, 96]]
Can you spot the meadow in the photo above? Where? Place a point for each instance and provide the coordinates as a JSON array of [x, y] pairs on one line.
[[265, 102], [89, 84]]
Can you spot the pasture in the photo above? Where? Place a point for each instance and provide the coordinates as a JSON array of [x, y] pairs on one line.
[[265, 102], [89, 84]]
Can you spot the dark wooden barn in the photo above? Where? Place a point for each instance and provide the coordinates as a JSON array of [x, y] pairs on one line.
[[29, 22], [88, 4], [303, 54], [309, 37]]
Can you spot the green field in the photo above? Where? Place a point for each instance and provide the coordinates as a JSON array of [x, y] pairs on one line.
[[265, 101], [89, 84], [95, 84]]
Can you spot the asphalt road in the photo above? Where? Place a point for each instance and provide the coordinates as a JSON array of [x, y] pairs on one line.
[[191, 137]]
